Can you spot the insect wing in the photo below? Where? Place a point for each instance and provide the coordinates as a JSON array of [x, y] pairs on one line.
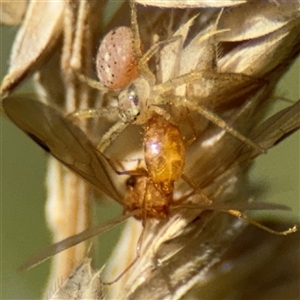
[[63, 140], [236, 206], [72, 241], [279, 126], [274, 130]]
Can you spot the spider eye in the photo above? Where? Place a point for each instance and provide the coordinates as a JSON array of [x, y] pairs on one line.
[[129, 104], [132, 95]]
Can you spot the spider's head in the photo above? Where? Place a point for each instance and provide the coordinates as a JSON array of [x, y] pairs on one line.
[[132, 101]]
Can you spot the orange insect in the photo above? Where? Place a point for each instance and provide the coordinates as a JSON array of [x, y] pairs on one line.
[[164, 155], [150, 192]]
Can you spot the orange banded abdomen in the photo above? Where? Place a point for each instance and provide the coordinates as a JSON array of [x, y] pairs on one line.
[[164, 152]]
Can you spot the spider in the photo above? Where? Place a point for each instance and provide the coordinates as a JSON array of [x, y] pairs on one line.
[[122, 68], [150, 190]]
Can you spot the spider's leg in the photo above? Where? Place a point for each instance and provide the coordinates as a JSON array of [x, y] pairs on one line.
[[211, 116], [111, 135]]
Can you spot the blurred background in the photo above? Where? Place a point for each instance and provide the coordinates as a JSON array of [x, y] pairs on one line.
[[23, 167]]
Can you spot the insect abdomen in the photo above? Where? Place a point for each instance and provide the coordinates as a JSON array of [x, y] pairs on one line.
[[164, 152]]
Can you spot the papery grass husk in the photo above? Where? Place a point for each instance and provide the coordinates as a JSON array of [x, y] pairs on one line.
[[184, 255]]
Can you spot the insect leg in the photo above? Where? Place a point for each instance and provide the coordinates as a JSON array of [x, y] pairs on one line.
[[240, 215], [137, 256], [197, 189], [138, 246]]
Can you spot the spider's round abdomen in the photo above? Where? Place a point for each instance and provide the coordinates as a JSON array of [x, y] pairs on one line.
[[164, 152], [116, 61]]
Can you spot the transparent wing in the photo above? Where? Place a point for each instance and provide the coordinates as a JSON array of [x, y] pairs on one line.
[[279, 126], [65, 141], [274, 130], [207, 167], [71, 241]]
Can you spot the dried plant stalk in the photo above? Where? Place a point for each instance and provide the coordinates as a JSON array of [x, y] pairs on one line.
[[41, 28], [12, 13], [237, 72]]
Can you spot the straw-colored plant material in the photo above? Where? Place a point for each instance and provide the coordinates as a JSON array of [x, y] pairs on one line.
[[213, 75], [12, 12]]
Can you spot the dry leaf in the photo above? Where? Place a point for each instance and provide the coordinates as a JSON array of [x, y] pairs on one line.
[[84, 283], [12, 12], [250, 21], [181, 252], [263, 54], [190, 3], [252, 266], [36, 38]]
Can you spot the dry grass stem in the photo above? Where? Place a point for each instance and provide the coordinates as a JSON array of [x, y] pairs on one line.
[[213, 76]]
